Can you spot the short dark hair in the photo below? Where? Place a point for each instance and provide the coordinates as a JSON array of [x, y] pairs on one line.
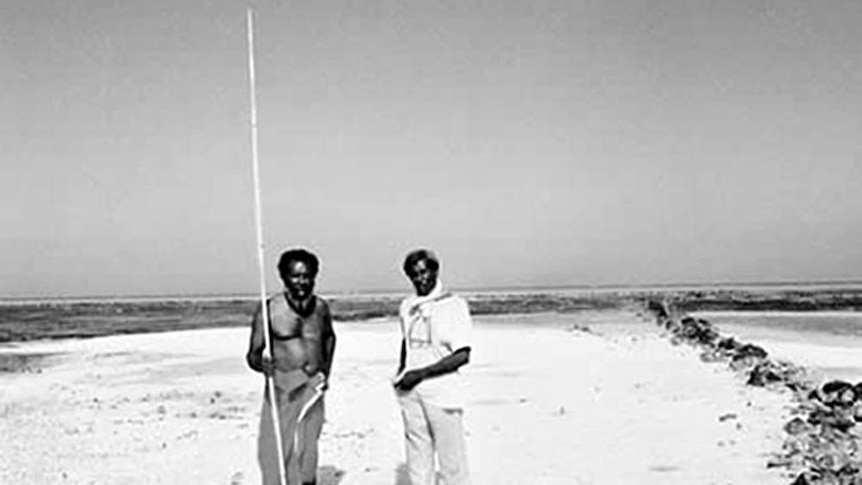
[[301, 255], [417, 255]]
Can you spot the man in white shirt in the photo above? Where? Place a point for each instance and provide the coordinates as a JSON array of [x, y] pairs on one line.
[[435, 329]]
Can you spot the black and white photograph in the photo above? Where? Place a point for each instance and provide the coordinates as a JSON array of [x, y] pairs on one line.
[[346, 242]]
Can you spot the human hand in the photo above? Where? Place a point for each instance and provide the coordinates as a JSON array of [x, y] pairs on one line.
[[320, 381], [267, 366], [260, 363]]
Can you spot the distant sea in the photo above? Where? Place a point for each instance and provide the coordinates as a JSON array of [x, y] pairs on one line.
[[836, 327], [829, 342]]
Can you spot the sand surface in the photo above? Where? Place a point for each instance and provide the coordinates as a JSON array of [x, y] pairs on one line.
[[550, 404]]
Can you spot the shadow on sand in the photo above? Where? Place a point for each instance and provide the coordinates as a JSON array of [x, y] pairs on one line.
[[32, 362], [329, 475], [401, 476]]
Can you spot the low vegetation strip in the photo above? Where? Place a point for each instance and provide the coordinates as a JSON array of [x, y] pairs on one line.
[[56, 320], [837, 299]]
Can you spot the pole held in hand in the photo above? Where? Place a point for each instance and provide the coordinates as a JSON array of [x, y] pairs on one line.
[[258, 220]]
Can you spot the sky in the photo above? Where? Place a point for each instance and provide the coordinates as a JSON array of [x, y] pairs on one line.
[[544, 143]]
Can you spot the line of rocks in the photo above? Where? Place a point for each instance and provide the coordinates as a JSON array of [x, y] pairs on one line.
[[824, 443]]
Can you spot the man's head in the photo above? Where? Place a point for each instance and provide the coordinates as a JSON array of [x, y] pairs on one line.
[[298, 269], [421, 267]]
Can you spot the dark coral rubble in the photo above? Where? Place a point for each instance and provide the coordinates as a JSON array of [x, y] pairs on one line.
[[823, 444]]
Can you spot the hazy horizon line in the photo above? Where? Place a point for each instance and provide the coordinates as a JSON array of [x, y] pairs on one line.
[[467, 289]]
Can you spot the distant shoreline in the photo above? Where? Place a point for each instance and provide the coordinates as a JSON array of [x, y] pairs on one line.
[[84, 318], [520, 290]]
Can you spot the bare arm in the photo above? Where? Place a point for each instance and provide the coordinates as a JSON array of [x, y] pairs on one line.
[[257, 343], [446, 365], [328, 344]]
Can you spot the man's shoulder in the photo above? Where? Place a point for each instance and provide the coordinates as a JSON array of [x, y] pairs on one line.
[[406, 302], [277, 301], [457, 297], [321, 304], [452, 300]]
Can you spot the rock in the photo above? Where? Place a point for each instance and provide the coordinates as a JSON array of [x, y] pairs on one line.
[[828, 477], [696, 330], [833, 450], [728, 344], [753, 350], [835, 386], [688, 328], [658, 308], [764, 373], [839, 419], [797, 426], [687, 321], [779, 463], [767, 372], [725, 417], [708, 335], [851, 469], [838, 393], [804, 478]]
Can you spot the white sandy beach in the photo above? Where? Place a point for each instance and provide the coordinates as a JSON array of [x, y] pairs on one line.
[[549, 405]]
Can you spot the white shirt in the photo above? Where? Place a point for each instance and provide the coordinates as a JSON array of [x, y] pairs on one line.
[[434, 327]]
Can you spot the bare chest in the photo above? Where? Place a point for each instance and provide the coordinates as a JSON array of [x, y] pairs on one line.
[[294, 326]]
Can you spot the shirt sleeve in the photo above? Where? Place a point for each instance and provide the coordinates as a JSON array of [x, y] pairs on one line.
[[461, 329], [402, 318]]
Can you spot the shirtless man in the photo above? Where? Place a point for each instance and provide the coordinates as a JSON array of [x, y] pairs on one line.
[[303, 343]]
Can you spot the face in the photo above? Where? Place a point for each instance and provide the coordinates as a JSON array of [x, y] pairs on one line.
[[423, 277], [298, 280]]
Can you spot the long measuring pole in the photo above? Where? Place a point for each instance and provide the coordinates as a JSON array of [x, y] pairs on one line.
[[258, 222]]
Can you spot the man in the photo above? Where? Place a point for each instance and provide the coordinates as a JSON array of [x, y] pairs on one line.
[[435, 329], [303, 343]]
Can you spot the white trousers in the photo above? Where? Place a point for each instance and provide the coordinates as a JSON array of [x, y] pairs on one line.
[[430, 430]]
